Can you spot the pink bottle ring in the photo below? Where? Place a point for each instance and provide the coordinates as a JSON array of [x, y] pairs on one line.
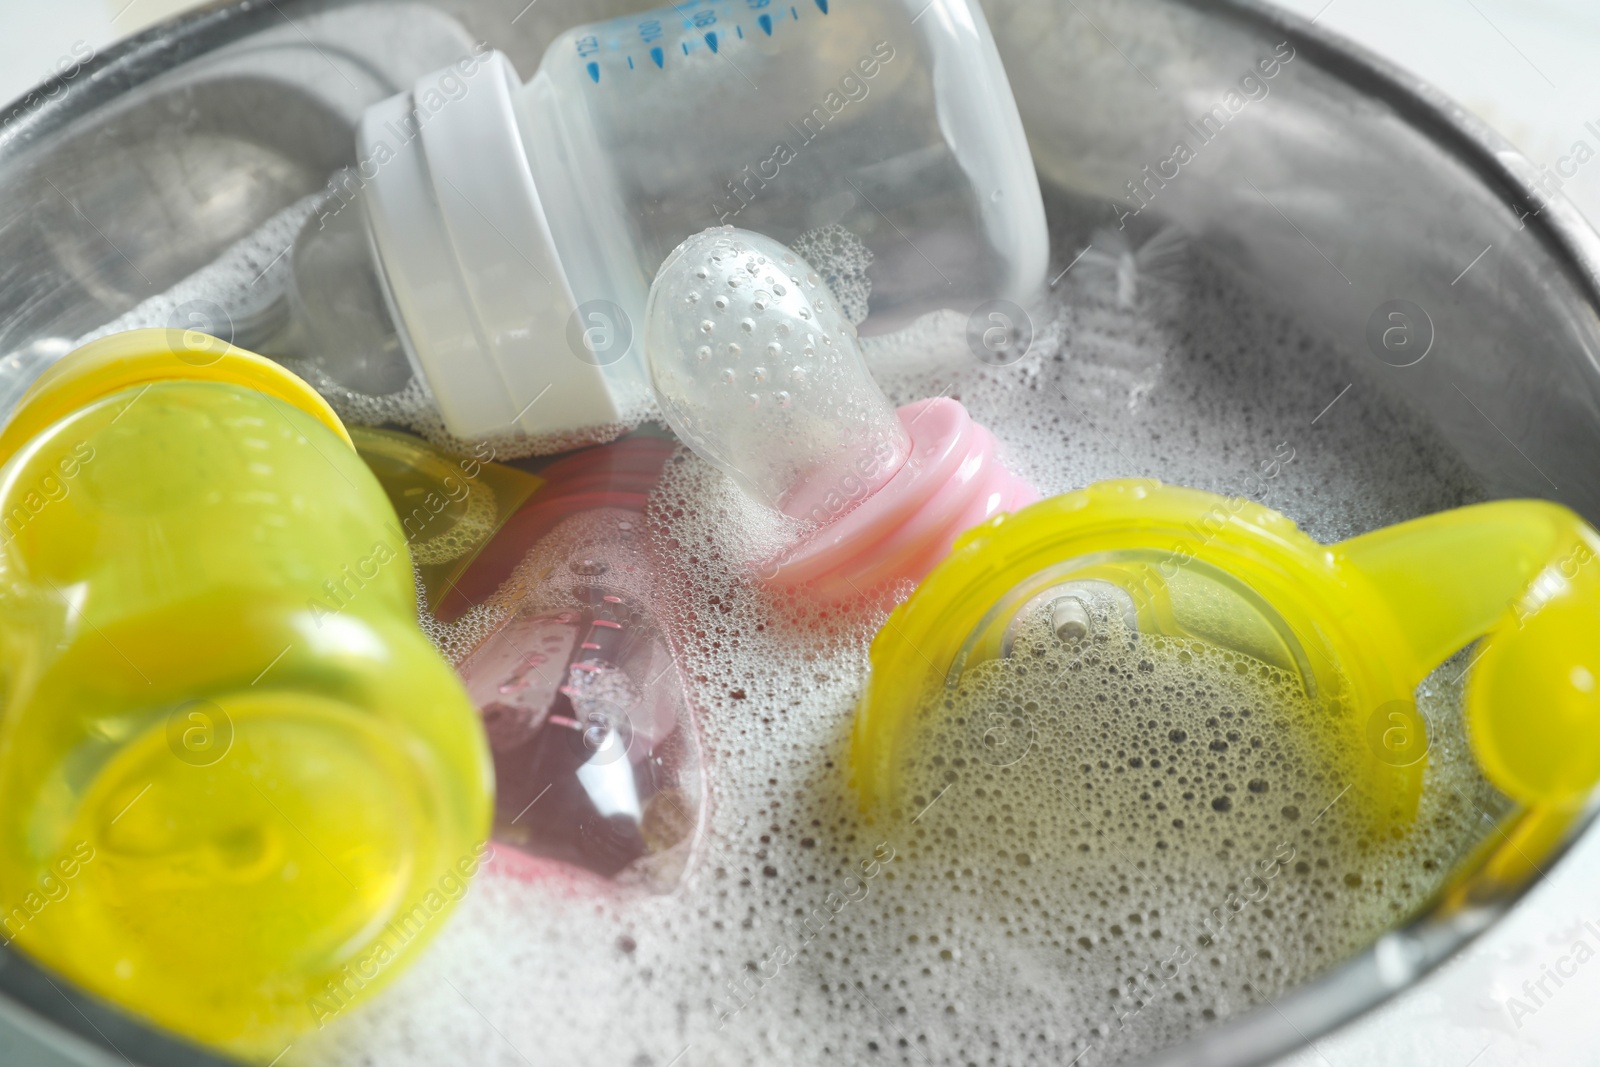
[[953, 480]]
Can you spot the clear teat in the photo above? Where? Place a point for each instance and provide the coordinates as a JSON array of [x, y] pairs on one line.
[[757, 369]]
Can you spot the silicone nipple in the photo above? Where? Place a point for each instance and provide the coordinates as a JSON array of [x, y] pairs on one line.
[[759, 372]]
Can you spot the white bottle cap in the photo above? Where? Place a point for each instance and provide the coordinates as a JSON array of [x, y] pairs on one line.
[[460, 235]]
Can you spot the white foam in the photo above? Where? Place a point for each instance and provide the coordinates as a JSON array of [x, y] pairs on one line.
[[239, 283], [793, 940], [842, 258]]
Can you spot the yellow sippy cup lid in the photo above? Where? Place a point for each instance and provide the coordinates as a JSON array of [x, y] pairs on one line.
[[142, 357], [1355, 627]]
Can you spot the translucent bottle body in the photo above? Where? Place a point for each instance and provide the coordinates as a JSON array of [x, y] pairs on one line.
[[891, 119], [488, 256], [596, 756], [516, 228]]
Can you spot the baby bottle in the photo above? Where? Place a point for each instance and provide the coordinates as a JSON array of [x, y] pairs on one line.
[[595, 752], [240, 789], [516, 227]]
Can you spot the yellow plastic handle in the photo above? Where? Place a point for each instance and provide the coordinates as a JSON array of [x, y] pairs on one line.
[[1362, 622], [1523, 573]]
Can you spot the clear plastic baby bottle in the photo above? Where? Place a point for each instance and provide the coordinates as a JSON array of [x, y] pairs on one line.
[[516, 227]]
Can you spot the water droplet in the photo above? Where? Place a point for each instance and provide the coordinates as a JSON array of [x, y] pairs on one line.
[[702, 273], [703, 353], [748, 325], [721, 303], [782, 398], [692, 299], [798, 375], [753, 400], [812, 280], [778, 290], [758, 373], [805, 313], [790, 259], [707, 326], [735, 351], [781, 330], [775, 350], [729, 376], [733, 282]]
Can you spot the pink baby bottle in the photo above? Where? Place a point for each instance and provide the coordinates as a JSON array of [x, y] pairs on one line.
[[595, 753]]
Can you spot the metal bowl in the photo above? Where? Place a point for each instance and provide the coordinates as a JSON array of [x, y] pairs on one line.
[[1360, 187]]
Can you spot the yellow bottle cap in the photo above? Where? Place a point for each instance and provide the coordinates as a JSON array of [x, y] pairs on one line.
[[141, 357], [450, 506]]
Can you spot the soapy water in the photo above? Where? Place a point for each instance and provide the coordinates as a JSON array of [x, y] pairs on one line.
[[800, 932], [1164, 833], [979, 931], [843, 258]]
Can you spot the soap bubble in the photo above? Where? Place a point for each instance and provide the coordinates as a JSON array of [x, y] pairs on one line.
[[841, 259]]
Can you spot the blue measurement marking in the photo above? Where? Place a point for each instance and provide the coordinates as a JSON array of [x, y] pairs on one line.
[[823, 4], [740, 31], [594, 71], [711, 41], [765, 21], [686, 48], [659, 56], [630, 62], [793, 13]]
